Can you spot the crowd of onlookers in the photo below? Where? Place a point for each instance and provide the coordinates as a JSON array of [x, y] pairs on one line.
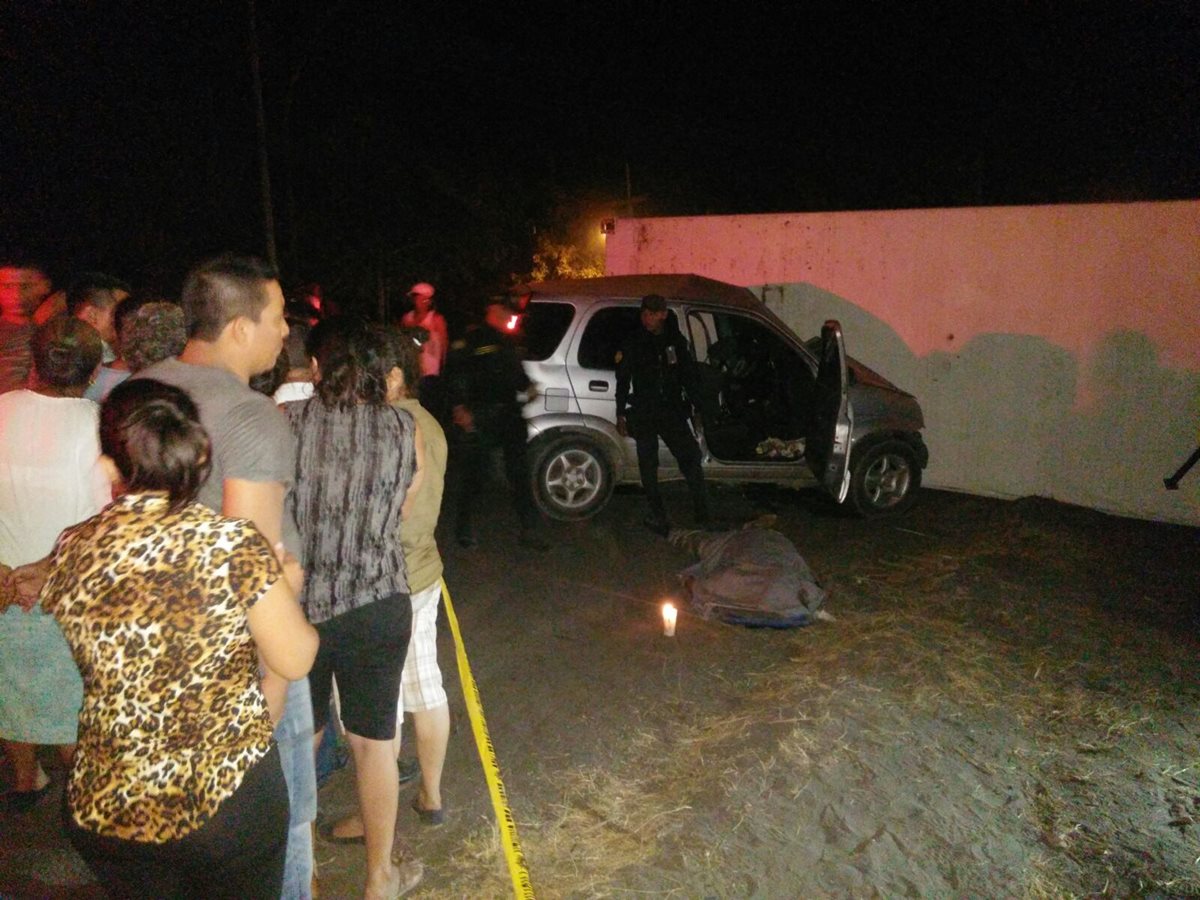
[[216, 544]]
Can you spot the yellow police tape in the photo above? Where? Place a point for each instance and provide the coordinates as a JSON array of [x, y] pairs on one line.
[[513, 855]]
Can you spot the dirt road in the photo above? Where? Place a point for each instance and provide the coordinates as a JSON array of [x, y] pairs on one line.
[[1005, 706]]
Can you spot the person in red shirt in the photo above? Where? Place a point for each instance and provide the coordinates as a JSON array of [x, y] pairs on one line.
[[433, 350]]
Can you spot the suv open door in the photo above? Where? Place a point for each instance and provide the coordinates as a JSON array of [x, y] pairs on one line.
[[827, 445]]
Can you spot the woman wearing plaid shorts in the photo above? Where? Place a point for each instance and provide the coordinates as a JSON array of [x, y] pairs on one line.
[[421, 691]]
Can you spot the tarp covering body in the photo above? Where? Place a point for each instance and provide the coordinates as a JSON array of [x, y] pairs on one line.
[[752, 577]]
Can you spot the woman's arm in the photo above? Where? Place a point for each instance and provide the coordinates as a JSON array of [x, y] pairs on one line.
[[274, 687], [285, 640], [28, 580], [419, 475], [8, 588]]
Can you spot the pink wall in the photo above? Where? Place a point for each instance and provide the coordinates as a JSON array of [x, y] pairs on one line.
[[1091, 313]]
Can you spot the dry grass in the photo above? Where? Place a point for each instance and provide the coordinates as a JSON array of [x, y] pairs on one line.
[[479, 868], [603, 823], [1041, 885], [908, 647]]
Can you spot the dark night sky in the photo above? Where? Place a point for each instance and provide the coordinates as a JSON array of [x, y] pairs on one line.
[[434, 139]]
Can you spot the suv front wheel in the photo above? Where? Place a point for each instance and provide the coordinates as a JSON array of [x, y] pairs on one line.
[[884, 478], [572, 477]]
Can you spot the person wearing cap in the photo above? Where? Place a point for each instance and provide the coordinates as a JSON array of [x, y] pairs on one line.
[[657, 364], [485, 376], [433, 350]]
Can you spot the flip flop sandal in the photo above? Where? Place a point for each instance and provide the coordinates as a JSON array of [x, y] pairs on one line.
[[429, 816]]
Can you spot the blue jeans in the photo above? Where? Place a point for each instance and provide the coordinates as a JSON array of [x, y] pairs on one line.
[[294, 736]]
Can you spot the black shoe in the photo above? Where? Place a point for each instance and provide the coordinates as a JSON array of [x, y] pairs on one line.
[[410, 769], [658, 524], [531, 540]]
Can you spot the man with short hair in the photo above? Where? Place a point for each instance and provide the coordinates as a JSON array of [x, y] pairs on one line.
[[23, 286], [93, 298], [148, 331], [233, 308], [656, 362]]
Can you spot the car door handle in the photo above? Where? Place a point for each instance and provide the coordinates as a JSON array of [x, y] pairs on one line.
[[597, 385]]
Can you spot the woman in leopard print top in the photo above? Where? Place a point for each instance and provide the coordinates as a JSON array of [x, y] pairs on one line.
[[177, 788]]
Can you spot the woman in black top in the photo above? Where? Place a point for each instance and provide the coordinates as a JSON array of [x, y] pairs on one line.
[[356, 464]]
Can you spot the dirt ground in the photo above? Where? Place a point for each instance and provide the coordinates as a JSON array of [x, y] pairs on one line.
[[1005, 706]]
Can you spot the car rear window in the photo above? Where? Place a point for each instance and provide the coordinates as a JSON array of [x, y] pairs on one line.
[[544, 327]]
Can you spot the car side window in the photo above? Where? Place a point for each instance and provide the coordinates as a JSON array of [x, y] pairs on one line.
[[605, 333], [543, 327]]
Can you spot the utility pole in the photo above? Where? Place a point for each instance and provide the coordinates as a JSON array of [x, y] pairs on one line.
[[264, 170], [381, 291]]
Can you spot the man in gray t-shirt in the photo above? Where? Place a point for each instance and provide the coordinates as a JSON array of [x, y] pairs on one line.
[[233, 308], [251, 439]]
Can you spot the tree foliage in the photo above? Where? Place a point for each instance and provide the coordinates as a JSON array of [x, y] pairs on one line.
[[554, 258]]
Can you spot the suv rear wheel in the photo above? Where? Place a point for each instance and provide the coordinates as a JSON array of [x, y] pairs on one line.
[[572, 477], [884, 478]]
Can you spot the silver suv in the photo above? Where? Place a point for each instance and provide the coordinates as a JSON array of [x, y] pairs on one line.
[[773, 408]]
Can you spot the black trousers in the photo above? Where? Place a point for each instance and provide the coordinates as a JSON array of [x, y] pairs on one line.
[[238, 853], [674, 431], [506, 431]]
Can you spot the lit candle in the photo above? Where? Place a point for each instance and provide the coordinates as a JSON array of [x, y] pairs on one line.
[[669, 615]]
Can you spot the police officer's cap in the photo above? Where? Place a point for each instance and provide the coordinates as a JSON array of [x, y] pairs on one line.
[[497, 300]]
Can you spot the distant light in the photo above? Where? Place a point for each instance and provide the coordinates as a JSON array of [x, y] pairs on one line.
[[608, 226], [511, 324]]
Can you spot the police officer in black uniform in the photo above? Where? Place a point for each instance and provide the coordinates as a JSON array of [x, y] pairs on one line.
[[656, 361], [485, 376]]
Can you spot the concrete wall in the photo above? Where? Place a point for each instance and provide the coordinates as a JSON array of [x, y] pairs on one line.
[[1055, 349]]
